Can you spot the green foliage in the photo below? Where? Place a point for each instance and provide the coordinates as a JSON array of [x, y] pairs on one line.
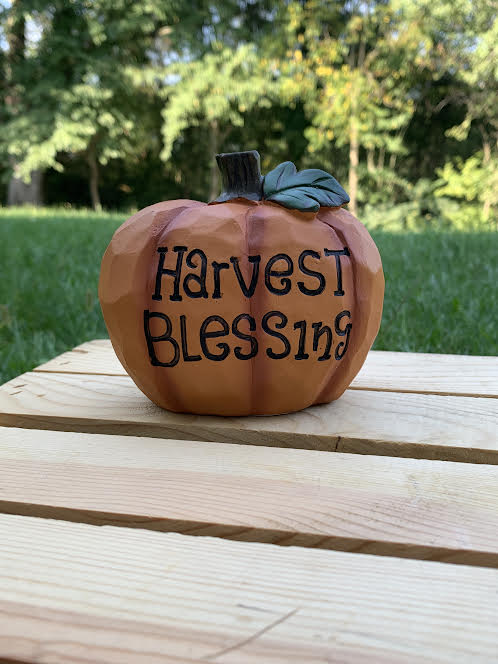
[[78, 95], [468, 182], [394, 97], [421, 212], [447, 203], [216, 90]]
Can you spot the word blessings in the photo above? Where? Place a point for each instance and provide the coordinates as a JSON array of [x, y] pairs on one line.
[[245, 336]]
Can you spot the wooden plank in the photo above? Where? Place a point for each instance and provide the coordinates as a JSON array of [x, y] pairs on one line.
[[364, 422], [424, 373], [413, 508], [91, 357], [429, 373], [77, 593]]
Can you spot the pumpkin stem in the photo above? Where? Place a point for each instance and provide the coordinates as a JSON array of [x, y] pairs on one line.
[[241, 176]]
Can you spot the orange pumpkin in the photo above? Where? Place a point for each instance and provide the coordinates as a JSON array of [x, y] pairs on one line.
[[265, 301]]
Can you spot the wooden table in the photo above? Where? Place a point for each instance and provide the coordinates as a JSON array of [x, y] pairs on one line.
[[361, 531]]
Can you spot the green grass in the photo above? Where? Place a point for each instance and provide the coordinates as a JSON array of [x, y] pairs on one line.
[[50, 262], [441, 294]]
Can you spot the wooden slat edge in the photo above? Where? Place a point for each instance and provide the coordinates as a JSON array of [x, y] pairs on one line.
[[203, 599], [385, 506], [417, 373], [364, 422]]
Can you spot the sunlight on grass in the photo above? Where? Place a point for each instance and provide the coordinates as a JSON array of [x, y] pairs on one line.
[[30, 213]]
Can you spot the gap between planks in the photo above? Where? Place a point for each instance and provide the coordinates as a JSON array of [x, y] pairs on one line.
[[74, 592], [362, 422], [379, 505], [424, 373]]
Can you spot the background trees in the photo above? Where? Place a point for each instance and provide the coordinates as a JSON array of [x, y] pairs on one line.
[[122, 103]]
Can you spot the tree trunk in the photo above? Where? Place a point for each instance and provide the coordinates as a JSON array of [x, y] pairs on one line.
[[214, 146], [25, 193], [486, 207], [18, 191], [93, 177], [354, 149], [380, 161], [370, 161]]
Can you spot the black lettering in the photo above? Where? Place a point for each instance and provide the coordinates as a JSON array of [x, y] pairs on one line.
[[301, 355], [278, 335], [199, 279], [318, 331], [311, 273], [204, 334], [217, 268], [338, 253], [183, 336], [176, 297], [255, 260], [246, 337], [269, 273], [151, 340], [342, 333]]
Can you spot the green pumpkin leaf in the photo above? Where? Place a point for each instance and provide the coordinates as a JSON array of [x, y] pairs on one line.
[[306, 190], [274, 178]]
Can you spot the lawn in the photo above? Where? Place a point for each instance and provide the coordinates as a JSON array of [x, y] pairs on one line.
[[441, 294]]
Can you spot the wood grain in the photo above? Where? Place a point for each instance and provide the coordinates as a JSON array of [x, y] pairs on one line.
[[365, 422], [387, 506], [424, 373], [77, 593]]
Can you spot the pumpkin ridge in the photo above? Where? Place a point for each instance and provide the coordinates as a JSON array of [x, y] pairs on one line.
[[167, 385], [252, 396], [339, 370], [364, 318]]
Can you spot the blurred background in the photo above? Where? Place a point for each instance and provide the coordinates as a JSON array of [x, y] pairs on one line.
[[120, 103], [112, 105]]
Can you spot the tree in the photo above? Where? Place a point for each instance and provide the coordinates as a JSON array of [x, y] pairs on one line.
[[355, 78], [18, 190], [81, 96], [478, 71], [383, 93], [216, 91]]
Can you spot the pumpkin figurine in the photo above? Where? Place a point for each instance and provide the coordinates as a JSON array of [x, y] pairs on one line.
[[264, 301]]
